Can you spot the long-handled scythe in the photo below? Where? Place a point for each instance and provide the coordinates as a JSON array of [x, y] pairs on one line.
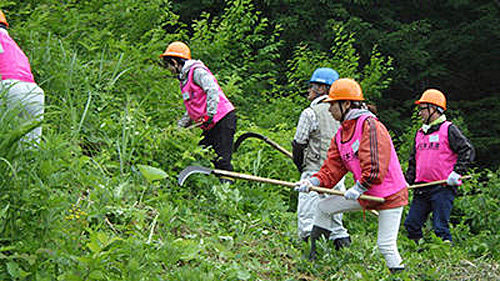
[[435, 182], [184, 174], [243, 137]]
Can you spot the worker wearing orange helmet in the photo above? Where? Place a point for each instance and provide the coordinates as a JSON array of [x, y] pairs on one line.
[[441, 152], [18, 84], [362, 146], [205, 103]]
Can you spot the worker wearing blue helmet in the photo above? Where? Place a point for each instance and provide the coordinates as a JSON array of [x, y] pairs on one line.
[[315, 129], [324, 76]]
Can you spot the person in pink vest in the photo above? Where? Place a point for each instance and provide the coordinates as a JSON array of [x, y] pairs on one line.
[[362, 146], [441, 152], [205, 103], [18, 86]]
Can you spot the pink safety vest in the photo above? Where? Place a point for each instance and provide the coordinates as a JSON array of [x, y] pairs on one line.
[[195, 100], [434, 158], [394, 180], [13, 62]]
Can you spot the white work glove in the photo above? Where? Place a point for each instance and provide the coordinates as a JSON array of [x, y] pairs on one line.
[[354, 192], [184, 122], [306, 184], [454, 179]]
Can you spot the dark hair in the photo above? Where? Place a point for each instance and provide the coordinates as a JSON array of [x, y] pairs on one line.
[[169, 59], [363, 105], [3, 25]]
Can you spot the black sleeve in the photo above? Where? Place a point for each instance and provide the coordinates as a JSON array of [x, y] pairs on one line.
[[462, 147], [412, 164], [298, 154]]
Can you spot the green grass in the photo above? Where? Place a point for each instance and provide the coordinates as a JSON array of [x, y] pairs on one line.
[[79, 208]]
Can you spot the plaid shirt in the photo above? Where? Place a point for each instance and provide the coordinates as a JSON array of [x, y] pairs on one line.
[[307, 122]]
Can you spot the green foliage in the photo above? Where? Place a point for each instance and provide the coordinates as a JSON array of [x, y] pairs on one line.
[[430, 48], [476, 199], [152, 173], [344, 58], [87, 204], [239, 43]]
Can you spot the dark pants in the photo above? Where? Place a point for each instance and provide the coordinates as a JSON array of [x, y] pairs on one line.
[[439, 201], [220, 138]]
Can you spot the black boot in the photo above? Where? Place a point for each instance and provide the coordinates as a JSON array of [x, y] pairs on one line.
[[416, 240], [343, 242], [396, 270], [305, 239], [316, 233]]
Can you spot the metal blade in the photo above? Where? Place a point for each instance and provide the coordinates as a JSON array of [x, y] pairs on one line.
[[243, 137], [184, 174]]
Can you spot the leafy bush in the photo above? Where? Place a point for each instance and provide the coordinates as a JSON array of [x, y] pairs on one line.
[[79, 207]]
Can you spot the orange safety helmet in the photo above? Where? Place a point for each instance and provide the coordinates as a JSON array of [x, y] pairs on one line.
[[434, 97], [3, 19], [177, 49], [345, 89]]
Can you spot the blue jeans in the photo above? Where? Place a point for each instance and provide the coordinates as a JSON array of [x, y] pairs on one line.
[[439, 201]]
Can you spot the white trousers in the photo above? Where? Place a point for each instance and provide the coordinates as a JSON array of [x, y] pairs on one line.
[[307, 208], [31, 98], [388, 225]]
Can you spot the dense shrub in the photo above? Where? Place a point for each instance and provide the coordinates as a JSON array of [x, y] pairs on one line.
[[79, 208]]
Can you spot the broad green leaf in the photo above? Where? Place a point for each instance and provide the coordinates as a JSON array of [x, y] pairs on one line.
[[103, 238], [16, 271], [243, 274], [69, 277], [13, 269], [152, 173], [7, 248], [4, 210], [96, 275], [94, 246], [85, 260], [190, 248]]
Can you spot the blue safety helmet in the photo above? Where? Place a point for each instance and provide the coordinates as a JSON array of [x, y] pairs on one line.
[[324, 75]]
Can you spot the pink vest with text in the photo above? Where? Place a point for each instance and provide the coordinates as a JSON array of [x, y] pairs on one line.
[[13, 62], [195, 100], [434, 158], [394, 180]]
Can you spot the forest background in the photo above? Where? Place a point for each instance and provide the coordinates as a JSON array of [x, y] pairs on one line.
[[99, 200]]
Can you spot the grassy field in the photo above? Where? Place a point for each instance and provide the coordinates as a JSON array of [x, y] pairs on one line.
[[81, 206]]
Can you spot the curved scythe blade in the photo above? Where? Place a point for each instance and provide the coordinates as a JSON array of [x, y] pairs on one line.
[[184, 174], [245, 136]]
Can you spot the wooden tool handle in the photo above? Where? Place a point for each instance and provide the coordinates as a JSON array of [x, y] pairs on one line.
[[435, 182], [279, 147], [290, 184]]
